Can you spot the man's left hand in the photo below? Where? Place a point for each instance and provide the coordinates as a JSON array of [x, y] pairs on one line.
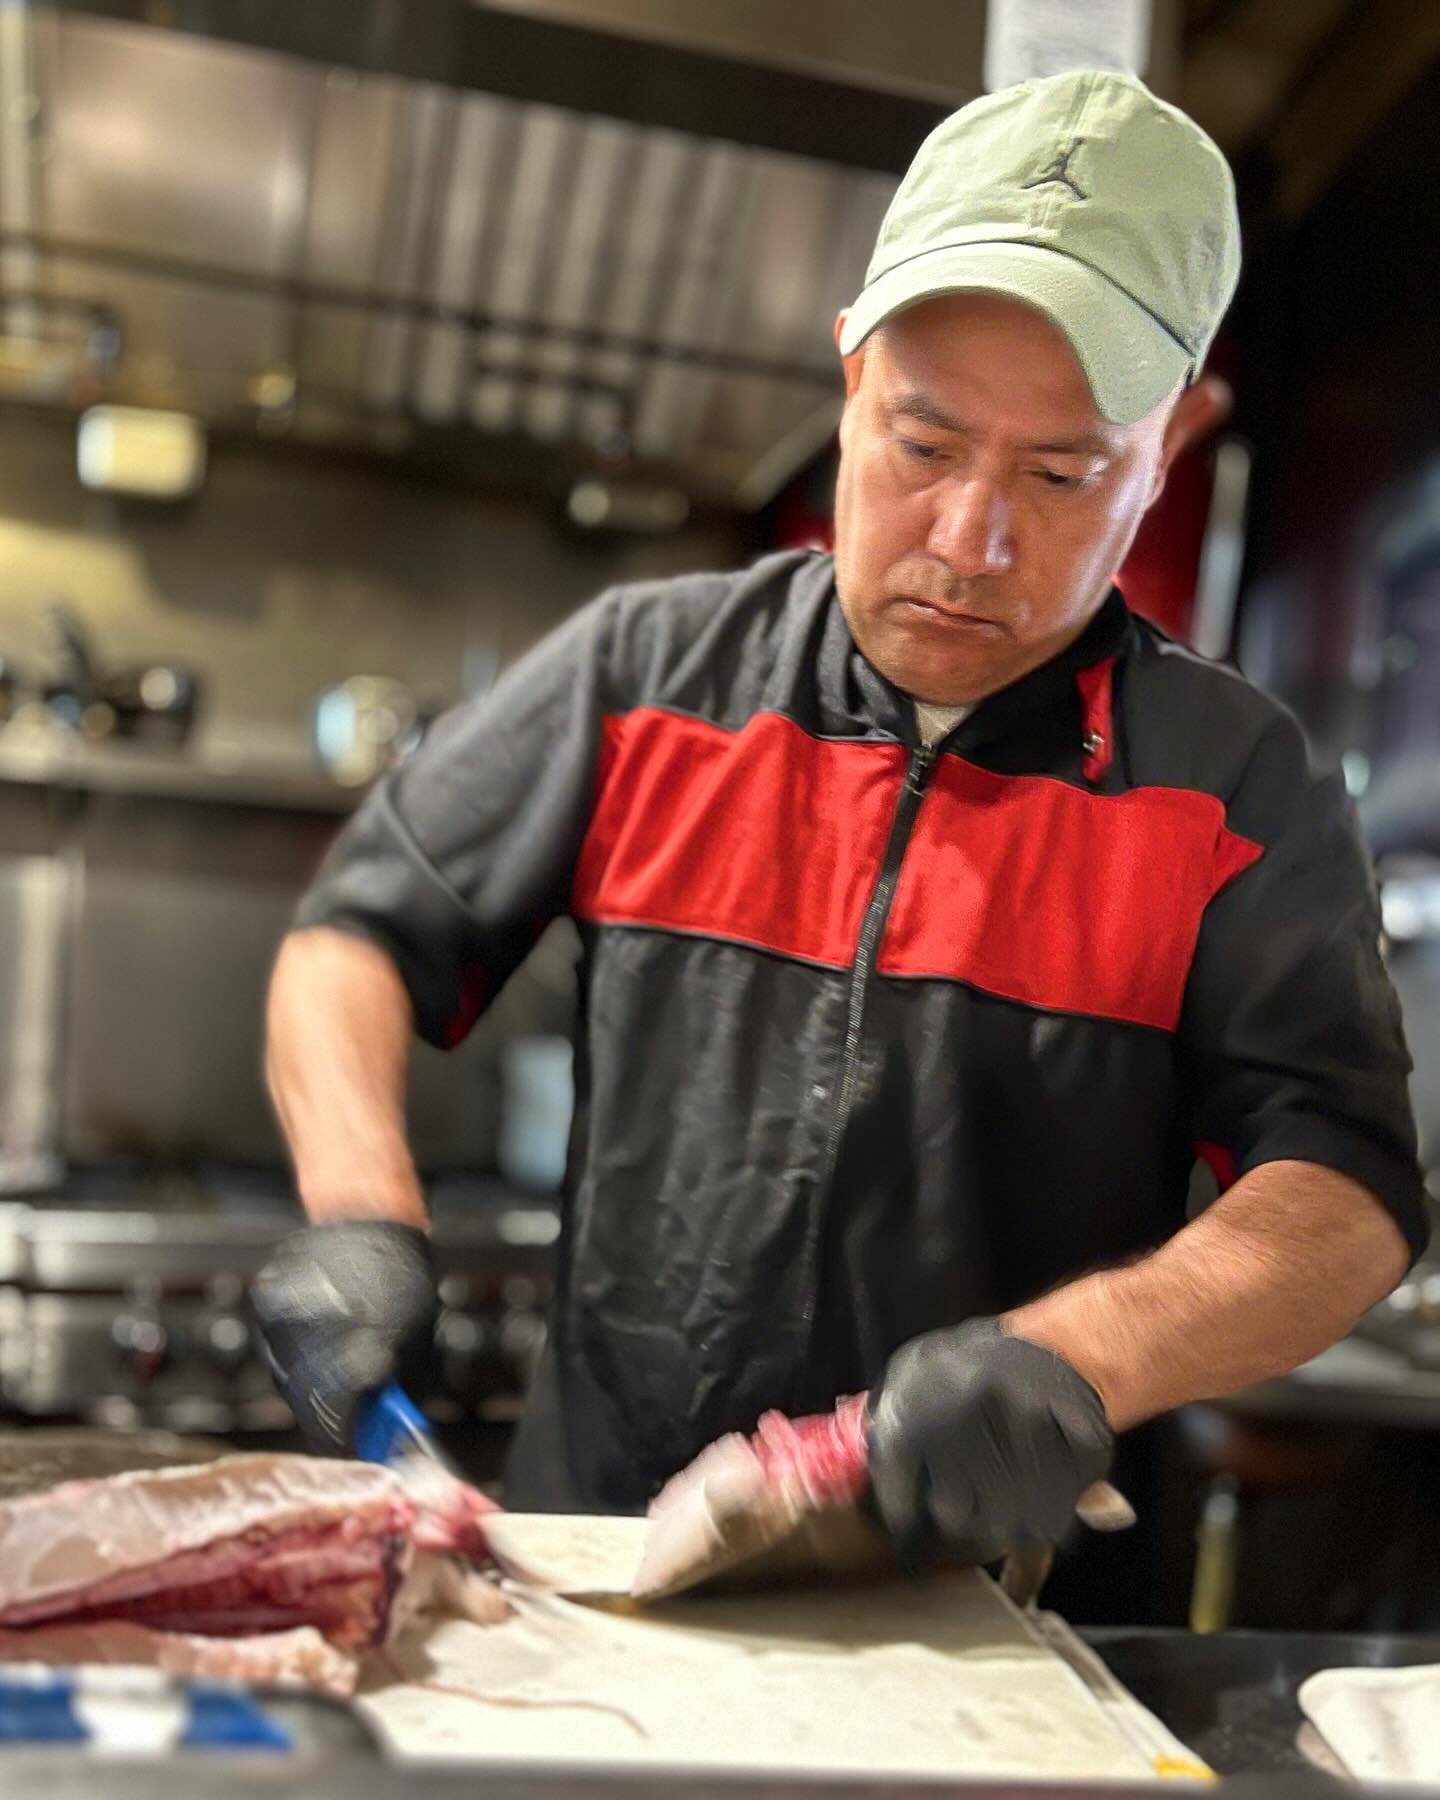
[[982, 1443]]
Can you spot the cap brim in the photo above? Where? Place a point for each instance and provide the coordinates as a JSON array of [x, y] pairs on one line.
[[1129, 360]]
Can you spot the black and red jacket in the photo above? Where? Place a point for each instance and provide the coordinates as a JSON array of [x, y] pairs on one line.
[[873, 1038]]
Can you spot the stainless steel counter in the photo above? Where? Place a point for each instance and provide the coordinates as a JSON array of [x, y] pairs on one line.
[[1353, 1383], [1231, 1697], [74, 1776]]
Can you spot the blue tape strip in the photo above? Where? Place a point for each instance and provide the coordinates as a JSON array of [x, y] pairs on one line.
[[226, 1719], [39, 1708], [38, 1712]]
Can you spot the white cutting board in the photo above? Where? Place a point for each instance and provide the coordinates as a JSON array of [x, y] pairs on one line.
[[937, 1679]]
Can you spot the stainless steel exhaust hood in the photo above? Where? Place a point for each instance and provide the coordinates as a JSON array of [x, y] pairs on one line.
[[528, 242], [504, 286]]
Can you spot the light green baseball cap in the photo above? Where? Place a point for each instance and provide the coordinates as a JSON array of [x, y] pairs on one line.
[[1085, 197]]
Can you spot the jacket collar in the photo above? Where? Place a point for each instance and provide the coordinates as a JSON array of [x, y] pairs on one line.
[[1052, 686], [865, 699]]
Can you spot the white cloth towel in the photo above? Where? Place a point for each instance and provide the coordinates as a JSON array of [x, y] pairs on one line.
[[1383, 1724]]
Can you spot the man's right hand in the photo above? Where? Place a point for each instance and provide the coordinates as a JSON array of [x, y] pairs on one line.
[[345, 1307], [982, 1442]]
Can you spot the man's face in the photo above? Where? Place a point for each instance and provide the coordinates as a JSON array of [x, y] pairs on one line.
[[983, 504]]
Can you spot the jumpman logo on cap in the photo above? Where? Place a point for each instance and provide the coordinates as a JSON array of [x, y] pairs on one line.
[[1058, 169]]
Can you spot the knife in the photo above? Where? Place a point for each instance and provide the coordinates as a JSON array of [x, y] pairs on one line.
[[451, 1513], [726, 1520], [732, 1513]]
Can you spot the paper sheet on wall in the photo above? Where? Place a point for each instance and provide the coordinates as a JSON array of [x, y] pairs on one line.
[[1029, 38]]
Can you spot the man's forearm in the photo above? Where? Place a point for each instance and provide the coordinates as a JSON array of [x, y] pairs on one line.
[[1279, 1267], [338, 1032]]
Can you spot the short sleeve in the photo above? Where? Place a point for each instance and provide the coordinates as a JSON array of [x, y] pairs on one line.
[[1291, 1045], [457, 861]]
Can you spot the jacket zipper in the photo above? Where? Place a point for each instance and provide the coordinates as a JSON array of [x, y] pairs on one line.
[[872, 925], [917, 779]]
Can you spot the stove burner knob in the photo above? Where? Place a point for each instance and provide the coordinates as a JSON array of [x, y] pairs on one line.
[[226, 1291], [227, 1341], [522, 1342], [465, 1345], [461, 1334], [143, 1342]]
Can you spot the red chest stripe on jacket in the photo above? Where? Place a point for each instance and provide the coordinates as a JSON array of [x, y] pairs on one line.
[[1043, 893], [1019, 885], [765, 835]]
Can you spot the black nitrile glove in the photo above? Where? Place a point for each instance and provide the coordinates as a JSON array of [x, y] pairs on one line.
[[343, 1309], [982, 1443]]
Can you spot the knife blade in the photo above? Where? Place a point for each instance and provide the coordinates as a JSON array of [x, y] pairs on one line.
[[741, 1514]]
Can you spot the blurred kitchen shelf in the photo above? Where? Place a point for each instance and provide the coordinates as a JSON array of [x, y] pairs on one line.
[[1354, 1382], [48, 760]]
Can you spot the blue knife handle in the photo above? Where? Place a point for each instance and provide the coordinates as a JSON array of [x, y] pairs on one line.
[[389, 1425]]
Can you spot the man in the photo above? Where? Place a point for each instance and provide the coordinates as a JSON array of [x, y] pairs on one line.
[[936, 912]]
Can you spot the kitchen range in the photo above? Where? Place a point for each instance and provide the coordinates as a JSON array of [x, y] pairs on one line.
[[127, 1308], [141, 1175]]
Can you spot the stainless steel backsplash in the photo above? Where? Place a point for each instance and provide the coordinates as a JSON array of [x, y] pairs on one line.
[[137, 928]]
